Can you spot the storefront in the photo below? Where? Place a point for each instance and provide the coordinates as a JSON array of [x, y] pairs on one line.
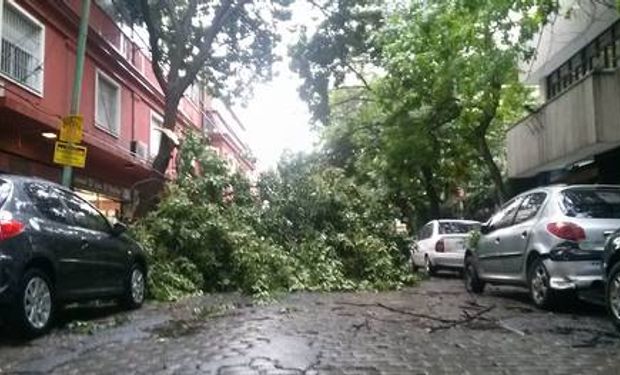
[[111, 200]]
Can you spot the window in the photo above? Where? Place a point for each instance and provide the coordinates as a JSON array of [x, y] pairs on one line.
[[530, 207], [426, 231], [457, 227], [48, 202], [5, 189], [505, 216], [591, 203], [108, 104], [193, 93], [157, 123], [22, 48], [602, 52], [85, 215]]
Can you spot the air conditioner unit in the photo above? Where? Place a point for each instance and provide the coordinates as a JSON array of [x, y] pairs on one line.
[[139, 149]]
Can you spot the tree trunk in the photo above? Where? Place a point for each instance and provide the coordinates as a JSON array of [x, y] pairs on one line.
[[162, 160], [431, 193], [149, 195], [496, 174]]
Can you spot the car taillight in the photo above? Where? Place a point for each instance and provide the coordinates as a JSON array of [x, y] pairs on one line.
[[439, 246], [567, 231], [10, 228]]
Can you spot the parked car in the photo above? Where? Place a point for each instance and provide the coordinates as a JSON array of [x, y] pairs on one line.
[[441, 244], [611, 276], [549, 240], [56, 248]]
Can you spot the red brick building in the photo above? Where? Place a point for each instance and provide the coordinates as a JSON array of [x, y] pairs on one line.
[[121, 101]]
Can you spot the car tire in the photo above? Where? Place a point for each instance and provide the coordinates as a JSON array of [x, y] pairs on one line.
[[32, 314], [135, 287], [612, 295], [538, 282], [473, 284], [429, 269]]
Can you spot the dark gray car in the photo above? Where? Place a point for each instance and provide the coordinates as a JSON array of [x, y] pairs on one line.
[[611, 274], [55, 248], [549, 239]]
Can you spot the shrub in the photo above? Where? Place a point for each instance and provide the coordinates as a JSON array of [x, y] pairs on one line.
[[309, 227]]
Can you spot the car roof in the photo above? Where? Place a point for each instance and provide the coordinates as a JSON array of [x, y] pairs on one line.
[[25, 179], [561, 187], [458, 221]]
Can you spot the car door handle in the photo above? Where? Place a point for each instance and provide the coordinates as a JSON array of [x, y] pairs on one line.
[[497, 240], [524, 234], [84, 244]]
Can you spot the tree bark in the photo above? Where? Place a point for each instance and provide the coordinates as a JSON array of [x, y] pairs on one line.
[[496, 174], [433, 198], [149, 195], [489, 114]]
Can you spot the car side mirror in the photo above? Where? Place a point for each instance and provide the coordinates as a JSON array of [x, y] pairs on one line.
[[118, 229], [485, 228]]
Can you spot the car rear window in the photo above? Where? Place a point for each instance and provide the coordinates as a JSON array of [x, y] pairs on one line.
[[452, 227], [5, 189], [591, 203]]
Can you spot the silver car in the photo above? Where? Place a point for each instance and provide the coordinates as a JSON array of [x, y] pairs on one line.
[[549, 239]]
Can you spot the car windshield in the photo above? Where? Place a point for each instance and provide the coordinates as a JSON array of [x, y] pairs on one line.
[[456, 227], [4, 191], [591, 203]]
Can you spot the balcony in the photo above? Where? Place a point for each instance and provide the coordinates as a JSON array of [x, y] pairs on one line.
[[579, 123]]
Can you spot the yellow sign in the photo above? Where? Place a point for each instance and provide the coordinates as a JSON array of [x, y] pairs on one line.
[[72, 129], [72, 155]]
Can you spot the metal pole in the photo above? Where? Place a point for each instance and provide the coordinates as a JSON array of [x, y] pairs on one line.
[[67, 171]]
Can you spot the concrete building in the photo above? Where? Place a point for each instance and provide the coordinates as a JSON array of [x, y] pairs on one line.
[[121, 101], [574, 136]]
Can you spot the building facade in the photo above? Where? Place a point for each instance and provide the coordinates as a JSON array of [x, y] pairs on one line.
[[574, 135], [121, 101]]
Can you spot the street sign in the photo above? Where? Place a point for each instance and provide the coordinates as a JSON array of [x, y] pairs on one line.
[[71, 155], [72, 129]]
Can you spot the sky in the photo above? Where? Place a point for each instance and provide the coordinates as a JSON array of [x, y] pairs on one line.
[[276, 118]]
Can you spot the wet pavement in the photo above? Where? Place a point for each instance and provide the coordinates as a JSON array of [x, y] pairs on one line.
[[435, 328]]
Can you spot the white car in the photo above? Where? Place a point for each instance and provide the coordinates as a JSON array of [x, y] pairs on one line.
[[441, 244]]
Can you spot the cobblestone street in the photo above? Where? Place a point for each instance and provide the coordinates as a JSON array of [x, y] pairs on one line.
[[434, 328]]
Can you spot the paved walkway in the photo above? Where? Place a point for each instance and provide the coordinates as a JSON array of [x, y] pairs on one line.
[[436, 328]]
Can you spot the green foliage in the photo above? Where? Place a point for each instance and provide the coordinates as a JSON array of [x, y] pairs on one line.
[[473, 239], [222, 46], [433, 115], [308, 227], [227, 44]]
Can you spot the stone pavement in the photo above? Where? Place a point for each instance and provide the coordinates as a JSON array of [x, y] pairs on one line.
[[435, 328]]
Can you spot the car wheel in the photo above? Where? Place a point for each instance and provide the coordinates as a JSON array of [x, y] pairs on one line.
[[612, 295], [538, 280], [428, 267], [473, 284], [135, 287], [33, 311]]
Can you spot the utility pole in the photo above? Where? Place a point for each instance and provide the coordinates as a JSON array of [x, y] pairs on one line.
[[67, 171]]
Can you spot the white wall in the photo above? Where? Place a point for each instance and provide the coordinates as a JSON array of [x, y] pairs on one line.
[[579, 123], [578, 22]]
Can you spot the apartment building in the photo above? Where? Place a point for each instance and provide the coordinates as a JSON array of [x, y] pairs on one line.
[[121, 101], [574, 135]]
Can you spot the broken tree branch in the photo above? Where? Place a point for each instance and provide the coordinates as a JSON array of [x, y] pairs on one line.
[[399, 311], [466, 320]]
